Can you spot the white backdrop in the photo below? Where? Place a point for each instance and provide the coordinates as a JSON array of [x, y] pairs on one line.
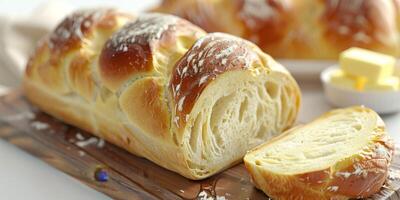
[[24, 177]]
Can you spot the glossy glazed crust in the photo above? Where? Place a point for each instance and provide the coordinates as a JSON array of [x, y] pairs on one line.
[[305, 29], [357, 176], [131, 51], [126, 88], [82, 30]]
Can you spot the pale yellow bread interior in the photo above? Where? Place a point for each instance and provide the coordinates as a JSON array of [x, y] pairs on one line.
[[319, 144], [227, 112]]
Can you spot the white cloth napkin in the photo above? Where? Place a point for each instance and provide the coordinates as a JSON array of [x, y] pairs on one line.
[[18, 38]]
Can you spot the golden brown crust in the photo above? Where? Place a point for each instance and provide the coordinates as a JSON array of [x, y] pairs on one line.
[[365, 24], [366, 173], [80, 76], [265, 22], [131, 50], [145, 96], [195, 15], [65, 41], [70, 32]]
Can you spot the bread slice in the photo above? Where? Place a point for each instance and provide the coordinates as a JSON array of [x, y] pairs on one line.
[[343, 154]]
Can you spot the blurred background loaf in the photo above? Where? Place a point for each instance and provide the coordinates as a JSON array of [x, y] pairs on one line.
[[301, 29]]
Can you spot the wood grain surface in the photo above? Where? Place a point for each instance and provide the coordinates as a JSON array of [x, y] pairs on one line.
[[80, 155]]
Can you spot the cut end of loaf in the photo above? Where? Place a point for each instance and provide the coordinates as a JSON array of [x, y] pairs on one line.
[[228, 97], [232, 117], [244, 101], [344, 153]]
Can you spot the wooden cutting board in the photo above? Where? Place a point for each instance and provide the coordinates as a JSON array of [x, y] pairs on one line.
[[80, 155]]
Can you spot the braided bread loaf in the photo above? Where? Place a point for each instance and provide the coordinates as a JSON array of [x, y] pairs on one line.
[[313, 29], [160, 87]]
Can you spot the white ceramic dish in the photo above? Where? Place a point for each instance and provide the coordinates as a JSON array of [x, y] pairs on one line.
[[306, 69], [383, 102]]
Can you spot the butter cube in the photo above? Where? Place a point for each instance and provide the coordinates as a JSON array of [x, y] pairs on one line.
[[371, 65], [341, 79], [392, 83]]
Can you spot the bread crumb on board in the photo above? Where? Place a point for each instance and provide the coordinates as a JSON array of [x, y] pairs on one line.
[[83, 142], [203, 195], [39, 125], [81, 153]]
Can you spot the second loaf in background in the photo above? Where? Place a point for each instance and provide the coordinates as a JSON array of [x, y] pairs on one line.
[[299, 29], [160, 87]]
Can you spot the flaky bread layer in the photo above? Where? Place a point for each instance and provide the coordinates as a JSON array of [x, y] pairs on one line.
[[349, 168], [229, 111]]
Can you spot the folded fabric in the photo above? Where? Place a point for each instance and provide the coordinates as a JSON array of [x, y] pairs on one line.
[[19, 35]]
